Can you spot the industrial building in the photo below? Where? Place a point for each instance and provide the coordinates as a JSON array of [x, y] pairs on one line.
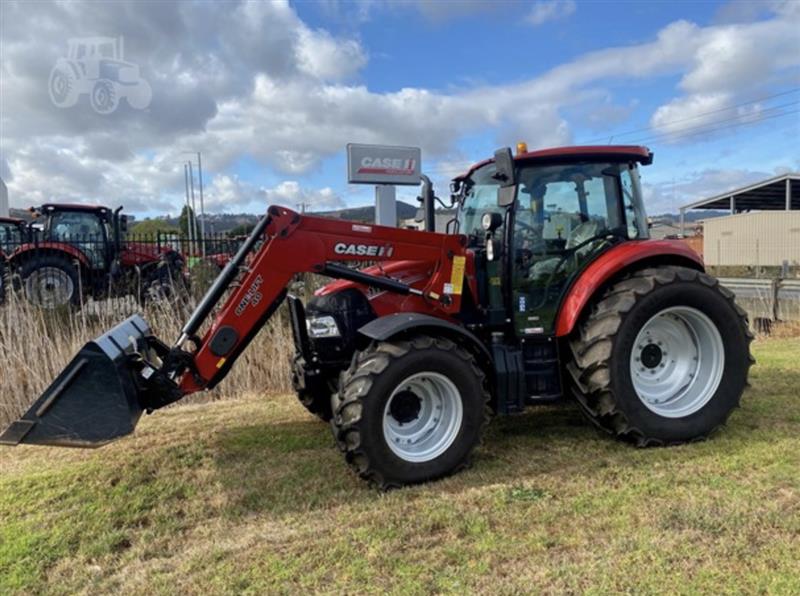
[[763, 229], [3, 199]]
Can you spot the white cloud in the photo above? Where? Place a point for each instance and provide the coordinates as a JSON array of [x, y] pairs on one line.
[[324, 57], [549, 10], [728, 65], [253, 81], [227, 192]]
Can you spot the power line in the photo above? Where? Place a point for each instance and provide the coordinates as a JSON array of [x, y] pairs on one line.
[[728, 126], [700, 115], [460, 167], [742, 117]]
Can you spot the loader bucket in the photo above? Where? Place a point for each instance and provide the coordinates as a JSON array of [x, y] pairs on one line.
[[95, 398]]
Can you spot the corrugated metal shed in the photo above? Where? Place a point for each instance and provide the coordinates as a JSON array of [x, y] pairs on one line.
[[765, 238]]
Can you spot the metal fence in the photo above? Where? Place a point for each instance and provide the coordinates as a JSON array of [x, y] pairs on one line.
[[60, 270], [771, 299]]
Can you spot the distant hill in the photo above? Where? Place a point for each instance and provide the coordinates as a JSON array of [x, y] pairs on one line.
[[218, 223], [367, 214]]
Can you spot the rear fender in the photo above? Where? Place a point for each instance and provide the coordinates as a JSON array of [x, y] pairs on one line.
[[399, 324], [26, 251], [618, 261]]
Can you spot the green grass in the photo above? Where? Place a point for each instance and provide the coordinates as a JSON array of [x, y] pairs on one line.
[[251, 496]]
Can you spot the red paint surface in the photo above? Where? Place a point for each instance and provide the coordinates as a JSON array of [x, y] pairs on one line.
[[609, 264], [298, 243], [29, 248], [614, 152]]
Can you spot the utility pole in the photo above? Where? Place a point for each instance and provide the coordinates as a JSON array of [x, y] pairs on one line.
[[188, 205], [197, 239], [302, 207], [202, 205]]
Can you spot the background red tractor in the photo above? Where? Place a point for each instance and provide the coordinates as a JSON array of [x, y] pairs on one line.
[[81, 251], [13, 233]]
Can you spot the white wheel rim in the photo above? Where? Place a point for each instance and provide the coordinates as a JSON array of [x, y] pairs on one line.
[[49, 287], [422, 417], [677, 362]]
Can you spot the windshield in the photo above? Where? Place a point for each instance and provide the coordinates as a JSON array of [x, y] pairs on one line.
[[479, 197], [10, 236], [84, 230], [554, 200]]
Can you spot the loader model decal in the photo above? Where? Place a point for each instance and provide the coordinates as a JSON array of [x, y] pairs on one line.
[[363, 250], [253, 296]]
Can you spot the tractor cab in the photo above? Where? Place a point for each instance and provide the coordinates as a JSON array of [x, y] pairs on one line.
[[13, 232], [95, 230], [535, 220]]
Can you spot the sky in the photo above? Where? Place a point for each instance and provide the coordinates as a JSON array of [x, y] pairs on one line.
[[271, 93]]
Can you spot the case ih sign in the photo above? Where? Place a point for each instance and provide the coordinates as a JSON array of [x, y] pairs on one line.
[[383, 164]]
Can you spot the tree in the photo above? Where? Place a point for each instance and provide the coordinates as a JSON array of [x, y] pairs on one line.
[[153, 227], [240, 230], [188, 215]]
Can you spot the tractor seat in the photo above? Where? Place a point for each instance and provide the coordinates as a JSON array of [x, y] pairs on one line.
[[577, 235]]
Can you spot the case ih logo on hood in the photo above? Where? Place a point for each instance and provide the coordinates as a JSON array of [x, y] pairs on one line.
[[387, 165], [363, 250]]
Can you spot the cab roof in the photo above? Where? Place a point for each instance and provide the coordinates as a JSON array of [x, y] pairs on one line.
[[74, 207], [575, 153]]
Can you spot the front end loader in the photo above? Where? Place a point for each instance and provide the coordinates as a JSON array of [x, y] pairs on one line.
[[548, 289]]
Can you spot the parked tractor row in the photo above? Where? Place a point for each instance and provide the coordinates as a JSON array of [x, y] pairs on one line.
[[75, 252]]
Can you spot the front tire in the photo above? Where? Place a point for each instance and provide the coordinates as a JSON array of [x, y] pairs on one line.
[[104, 97], [409, 411], [662, 357]]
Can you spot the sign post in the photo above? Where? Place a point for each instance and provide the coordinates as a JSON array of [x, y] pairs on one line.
[[385, 166]]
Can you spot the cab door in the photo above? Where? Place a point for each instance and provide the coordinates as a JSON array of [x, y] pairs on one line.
[[565, 216]]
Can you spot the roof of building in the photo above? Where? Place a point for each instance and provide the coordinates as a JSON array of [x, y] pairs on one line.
[[767, 195]]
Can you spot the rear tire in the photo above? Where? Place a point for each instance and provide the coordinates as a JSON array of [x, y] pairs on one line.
[[409, 411], [662, 358], [51, 282]]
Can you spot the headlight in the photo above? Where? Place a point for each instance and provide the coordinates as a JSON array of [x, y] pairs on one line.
[[322, 327]]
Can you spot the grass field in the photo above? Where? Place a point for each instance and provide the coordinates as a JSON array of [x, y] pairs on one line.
[[251, 496]]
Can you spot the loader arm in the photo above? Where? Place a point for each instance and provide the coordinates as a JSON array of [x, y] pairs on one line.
[[292, 244], [100, 395]]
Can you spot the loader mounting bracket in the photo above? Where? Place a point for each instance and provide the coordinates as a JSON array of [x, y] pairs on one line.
[[156, 385]]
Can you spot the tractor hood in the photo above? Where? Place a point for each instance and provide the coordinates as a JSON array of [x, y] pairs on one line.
[[413, 273]]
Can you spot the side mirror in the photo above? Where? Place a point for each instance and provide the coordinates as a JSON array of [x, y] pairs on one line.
[[504, 167], [123, 223], [504, 174], [506, 195]]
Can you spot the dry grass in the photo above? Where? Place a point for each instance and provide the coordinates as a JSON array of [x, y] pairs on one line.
[[35, 345], [251, 496]]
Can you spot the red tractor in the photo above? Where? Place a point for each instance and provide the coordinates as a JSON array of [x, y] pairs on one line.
[[13, 232], [80, 251], [549, 289]]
